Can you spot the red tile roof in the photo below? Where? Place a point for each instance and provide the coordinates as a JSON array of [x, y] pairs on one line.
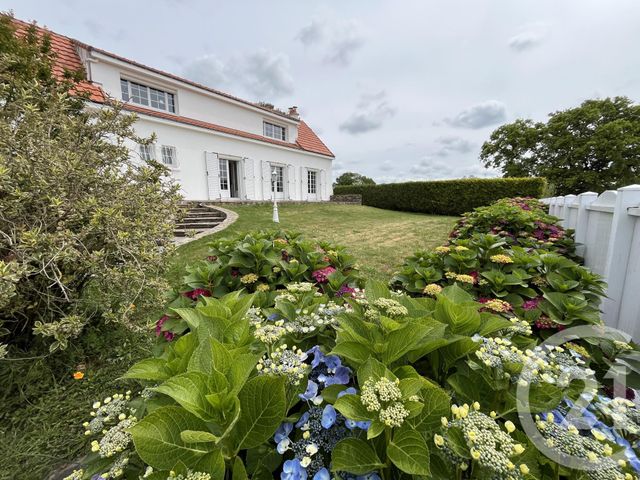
[[308, 140], [68, 59]]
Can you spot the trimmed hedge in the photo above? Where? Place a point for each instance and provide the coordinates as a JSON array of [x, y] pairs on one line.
[[444, 197]]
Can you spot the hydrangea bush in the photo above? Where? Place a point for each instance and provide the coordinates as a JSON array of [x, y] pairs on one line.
[[520, 221], [544, 288], [309, 382]]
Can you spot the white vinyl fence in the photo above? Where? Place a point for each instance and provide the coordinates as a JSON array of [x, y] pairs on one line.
[[607, 229]]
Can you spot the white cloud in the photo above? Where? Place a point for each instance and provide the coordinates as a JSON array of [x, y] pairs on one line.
[[371, 112], [452, 144], [263, 75], [346, 41], [312, 33], [480, 115], [529, 37]]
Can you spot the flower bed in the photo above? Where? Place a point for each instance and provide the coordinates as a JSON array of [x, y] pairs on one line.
[[315, 378]]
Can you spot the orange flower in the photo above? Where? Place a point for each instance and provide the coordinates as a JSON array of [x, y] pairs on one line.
[[78, 375]]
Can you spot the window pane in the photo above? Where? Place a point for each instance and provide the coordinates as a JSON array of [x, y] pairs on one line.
[[147, 152], [157, 98], [124, 87], [224, 175], [274, 131], [311, 181], [168, 155], [139, 93], [172, 105]]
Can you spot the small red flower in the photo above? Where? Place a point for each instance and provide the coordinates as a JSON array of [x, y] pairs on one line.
[[194, 294]]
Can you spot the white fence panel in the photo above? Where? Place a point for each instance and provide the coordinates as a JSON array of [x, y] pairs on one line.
[[607, 230]]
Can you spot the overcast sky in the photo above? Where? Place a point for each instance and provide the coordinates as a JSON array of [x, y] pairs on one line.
[[397, 89]]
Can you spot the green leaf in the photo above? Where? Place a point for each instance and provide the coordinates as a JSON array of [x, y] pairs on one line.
[[401, 341], [263, 407], [158, 442], [190, 390], [436, 405], [462, 319], [193, 436], [493, 324], [352, 408], [357, 352], [375, 429], [355, 456], [149, 369], [239, 472], [372, 368], [375, 289], [409, 452]]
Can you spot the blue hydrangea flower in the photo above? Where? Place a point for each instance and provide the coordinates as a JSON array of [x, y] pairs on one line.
[[304, 418], [293, 470], [273, 317], [322, 474], [347, 391], [311, 392], [328, 416], [341, 376], [281, 437]]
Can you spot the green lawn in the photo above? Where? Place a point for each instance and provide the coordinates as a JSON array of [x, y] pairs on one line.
[[42, 411], [379, 239]]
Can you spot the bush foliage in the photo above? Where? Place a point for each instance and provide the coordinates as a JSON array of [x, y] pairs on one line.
[[84, 228], [303, 381], [444, 197]]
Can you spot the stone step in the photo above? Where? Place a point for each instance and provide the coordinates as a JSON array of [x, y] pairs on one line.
[[197, 226], [185, 232], [210, 213], [201, 210], [207, 219]]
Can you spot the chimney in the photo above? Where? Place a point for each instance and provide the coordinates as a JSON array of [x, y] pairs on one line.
[[293, 112]]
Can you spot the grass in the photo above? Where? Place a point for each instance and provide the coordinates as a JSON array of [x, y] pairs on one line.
[[42, 407], [379, 239]]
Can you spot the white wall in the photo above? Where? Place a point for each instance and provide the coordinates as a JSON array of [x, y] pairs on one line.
[[190, 101], [607, 227], [191, 144]]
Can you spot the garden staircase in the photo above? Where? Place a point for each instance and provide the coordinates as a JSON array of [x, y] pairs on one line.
[[197, 218]]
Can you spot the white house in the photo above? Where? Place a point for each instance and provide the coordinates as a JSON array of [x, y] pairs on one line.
[[217, 146]]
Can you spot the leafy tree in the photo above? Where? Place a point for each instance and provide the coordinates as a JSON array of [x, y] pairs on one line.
[[593, 147], [84, 228], [352, 178]]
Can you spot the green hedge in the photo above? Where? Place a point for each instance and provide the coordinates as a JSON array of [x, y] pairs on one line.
[[444, 197]]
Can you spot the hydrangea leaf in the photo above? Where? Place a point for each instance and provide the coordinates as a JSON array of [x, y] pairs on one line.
[[409, 452], [158, 442], [263, 405], [355, 456], [149, 369], [351, 407], [190, 390], [436, 405], [357, 352], [239, 472]]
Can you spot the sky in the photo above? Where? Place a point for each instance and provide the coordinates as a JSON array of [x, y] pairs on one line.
[[398, 89]]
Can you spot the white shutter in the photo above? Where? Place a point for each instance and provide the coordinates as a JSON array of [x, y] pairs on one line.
[[213, 175], [323, 183], [291, 182], [249, 180], [266, 181], [305, 180]]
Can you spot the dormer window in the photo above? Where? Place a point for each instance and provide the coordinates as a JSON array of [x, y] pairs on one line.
[[148, 96], [272, 130]]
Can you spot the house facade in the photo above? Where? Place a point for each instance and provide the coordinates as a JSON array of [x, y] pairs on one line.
[[218, 147]]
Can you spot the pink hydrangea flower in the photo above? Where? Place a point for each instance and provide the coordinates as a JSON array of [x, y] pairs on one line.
[[322, 275]]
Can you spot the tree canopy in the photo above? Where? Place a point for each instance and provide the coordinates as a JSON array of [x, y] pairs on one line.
[[352, 178], [84, 227], [592, 147]]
